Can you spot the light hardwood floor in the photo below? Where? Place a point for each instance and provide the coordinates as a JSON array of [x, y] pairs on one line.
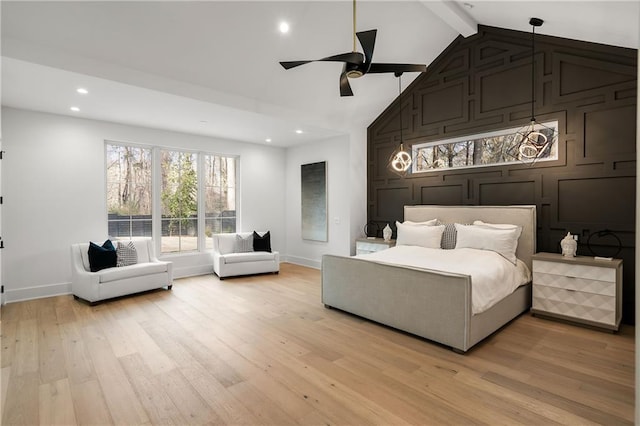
[[264, 350]]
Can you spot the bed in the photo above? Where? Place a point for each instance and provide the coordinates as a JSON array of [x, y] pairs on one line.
[[430, 303]]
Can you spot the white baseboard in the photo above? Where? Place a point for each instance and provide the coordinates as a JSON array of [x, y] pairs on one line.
[[50, 290], [316, 264], [36, 292], [192, 271]]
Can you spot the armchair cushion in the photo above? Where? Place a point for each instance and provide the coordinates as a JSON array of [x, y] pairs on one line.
[[225, 243], [131, 271], [248, 257]]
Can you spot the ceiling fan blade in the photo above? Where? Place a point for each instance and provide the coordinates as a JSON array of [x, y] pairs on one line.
[[292, 64], [379, 68], [349, 57], [345, 87], [368, 42]]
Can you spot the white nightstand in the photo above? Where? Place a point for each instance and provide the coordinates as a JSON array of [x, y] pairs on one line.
[[580, 289], [370, 245]]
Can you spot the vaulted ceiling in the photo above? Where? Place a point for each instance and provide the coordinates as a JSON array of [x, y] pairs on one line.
[[211, 68]]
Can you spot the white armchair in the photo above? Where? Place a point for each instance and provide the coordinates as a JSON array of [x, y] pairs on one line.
[[228, 262], [147, 274]]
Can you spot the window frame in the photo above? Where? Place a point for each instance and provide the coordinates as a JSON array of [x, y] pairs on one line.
[[156, 193]]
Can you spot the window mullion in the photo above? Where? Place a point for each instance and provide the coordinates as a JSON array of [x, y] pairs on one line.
[[156, 201]]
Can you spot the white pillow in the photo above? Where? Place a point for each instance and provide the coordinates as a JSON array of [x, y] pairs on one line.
[[499, 226], [431, 222], [502, 241], [423, 236]]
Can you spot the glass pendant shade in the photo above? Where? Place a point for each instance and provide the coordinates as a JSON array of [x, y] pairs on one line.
[[400, 160], [534, 139]]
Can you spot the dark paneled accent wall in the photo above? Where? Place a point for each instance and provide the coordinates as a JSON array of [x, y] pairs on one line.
[[483, 83]]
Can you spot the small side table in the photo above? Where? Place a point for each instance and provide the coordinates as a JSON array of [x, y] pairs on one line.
[[370, 245], [579, 289]]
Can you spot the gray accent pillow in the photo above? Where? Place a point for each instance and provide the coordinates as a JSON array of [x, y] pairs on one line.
[[448, 236], [244, 245], [126, 254]]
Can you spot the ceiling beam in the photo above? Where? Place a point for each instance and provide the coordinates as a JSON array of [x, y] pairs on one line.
[[453, 14]]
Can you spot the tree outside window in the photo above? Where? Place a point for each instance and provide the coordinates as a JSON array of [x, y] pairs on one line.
[[179, 201], [129, 190], [220, 195]]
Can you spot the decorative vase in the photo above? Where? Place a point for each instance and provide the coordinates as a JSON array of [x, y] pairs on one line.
[[569, 246], [386, 233]]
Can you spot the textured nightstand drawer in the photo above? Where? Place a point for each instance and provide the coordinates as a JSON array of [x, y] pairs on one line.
[[597, 273], [369, 247], [366, 245], [570, 283], [575, 304]]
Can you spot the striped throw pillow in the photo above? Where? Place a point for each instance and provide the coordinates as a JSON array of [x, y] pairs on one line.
[[244, 245]]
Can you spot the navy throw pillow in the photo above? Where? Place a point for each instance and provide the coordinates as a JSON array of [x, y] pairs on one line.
[[262, 243], [102, 257]]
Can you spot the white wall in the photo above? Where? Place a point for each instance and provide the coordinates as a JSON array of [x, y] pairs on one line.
[[336, 152], [358, 184], [53, 183]]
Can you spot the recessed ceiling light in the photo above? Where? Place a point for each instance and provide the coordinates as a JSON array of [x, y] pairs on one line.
[[268, 140], [82, 90], [75, 109], [299, 131], [283, 27]]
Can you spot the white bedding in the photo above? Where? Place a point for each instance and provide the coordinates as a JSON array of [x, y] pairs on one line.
[[492, 276]]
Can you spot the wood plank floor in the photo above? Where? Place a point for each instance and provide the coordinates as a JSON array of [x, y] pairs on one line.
[[264, 350]]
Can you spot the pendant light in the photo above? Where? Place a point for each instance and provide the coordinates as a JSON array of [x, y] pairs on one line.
[[535, 137], [400, 160]]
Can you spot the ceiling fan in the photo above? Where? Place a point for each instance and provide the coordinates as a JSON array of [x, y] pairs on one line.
[[357, 64]]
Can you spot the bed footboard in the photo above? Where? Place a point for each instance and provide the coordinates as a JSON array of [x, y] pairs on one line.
[[430, 304]]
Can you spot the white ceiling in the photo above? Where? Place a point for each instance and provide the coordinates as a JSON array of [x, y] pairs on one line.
[[211, 68]]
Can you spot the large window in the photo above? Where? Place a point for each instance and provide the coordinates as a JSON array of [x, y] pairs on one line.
[[179, 201], [129, 191], [178, 197], [219, 195]]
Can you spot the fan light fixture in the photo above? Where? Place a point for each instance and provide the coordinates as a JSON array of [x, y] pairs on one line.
[[535, 137], [400, 160]]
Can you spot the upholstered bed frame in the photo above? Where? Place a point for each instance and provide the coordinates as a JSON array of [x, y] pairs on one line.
[[428, 303]]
